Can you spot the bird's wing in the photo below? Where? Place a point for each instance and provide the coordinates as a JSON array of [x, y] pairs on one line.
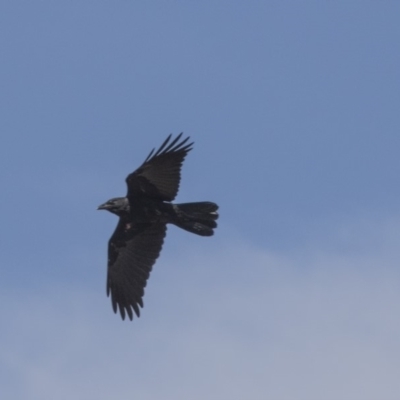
[[132, 252], [160, 174]]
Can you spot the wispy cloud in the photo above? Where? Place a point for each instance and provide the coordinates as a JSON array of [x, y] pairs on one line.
[[238, 323]]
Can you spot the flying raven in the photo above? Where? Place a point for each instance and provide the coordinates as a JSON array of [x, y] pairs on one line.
[[143, 217]]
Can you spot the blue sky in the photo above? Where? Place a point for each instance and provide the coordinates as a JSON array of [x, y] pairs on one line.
[[294, 110]]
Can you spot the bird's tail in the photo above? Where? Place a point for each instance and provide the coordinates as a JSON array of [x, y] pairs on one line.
[[198, 218]]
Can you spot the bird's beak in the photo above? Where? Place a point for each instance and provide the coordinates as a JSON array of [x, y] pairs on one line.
[[103, 207]]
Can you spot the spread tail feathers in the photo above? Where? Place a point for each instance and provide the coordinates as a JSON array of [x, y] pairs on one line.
[[198, 218]]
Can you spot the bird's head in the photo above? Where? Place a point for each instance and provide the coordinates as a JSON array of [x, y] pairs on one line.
[[117, 205]]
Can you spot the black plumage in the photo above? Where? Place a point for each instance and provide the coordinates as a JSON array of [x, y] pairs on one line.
[[143, 217]]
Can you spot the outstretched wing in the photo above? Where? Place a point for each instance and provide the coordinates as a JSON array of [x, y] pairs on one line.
[[160, 174], [132, 252]]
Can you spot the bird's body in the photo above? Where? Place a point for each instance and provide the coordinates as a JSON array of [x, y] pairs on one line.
[[143, 217]]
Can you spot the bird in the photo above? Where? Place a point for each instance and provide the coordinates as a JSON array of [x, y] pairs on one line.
[[144, 214]]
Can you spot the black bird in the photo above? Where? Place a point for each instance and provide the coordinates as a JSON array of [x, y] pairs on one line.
[[143, 217]]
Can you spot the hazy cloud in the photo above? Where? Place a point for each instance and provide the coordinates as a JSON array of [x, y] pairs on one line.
[[238, 323]]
